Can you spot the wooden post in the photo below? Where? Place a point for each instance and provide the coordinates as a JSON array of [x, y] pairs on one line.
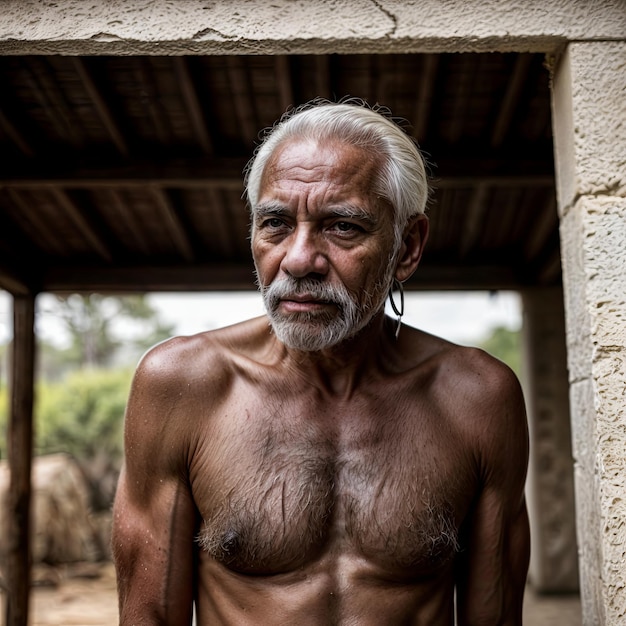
[[20, 446]]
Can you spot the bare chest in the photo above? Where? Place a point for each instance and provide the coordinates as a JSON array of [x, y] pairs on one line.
[[277, 492]]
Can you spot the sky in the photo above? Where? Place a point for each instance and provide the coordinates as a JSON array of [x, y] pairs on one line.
[[462, 317]]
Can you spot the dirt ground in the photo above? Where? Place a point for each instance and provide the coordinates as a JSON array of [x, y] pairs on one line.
[[87, 597]]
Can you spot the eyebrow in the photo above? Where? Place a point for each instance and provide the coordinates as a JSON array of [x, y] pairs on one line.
[[269, 208], [346, 210], [353, 211]]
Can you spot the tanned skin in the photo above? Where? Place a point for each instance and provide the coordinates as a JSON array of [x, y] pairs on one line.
[[360, 484]]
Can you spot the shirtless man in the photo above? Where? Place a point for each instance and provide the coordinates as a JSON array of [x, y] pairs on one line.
[[324, 464]]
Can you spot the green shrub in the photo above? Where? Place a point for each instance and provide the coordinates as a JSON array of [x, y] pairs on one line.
[[83, 415]]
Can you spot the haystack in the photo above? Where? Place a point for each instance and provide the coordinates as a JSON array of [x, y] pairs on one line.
[[62, 525]]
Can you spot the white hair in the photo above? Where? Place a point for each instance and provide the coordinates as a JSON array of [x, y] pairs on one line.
[[401, 179]]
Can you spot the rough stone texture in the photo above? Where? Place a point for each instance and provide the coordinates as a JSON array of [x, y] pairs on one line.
[[590, 121], [593, 233], [302, 26], [550, 485], [593, 236], [590, 140]]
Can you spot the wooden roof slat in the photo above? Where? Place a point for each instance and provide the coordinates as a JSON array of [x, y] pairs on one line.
[[511, 100], [322, 76], [242, 98], [228, 174], [474, 219], [425, 90], [104, 111], [11, 282], [172, 223], [15, 136], [125, 215], [192, 104], [544, 224], [283, 82], [240, 276], [86, 230], [465, 83], [151, 102], [30, 217], [219, 222], [52, 100]]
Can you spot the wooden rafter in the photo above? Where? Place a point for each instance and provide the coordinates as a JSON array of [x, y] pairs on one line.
[[125, 215], [283, 82], [172, 222], [192, 104], [52, 101], [474, 219], [242, 98], [86, 230], [152, 105], [101, 106], [425, 90], [30, 218], [15, 135], [511, 100]]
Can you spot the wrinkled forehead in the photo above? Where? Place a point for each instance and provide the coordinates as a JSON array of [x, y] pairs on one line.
[[336, 149]]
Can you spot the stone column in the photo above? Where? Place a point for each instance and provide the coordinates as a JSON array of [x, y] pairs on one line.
[[589, 118], [550, 486]]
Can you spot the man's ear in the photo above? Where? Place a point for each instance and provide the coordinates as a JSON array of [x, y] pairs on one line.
[[413, 242]]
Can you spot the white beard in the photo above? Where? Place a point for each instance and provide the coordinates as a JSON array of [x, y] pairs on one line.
[[314, 331]]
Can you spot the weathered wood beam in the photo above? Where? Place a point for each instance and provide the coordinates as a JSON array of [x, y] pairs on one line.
[[20, 446], [30, 217], [546, 222], [242, 97], [206, 277], [322, 75], [474, 220], [13, 283], [151, 100], [171, 220], [86, 230], [240, 277], [183, 173], [51, 99], [16, 137], [192, 104], [283, 82], [511, 100], [221, 225], [425, 90], [228, 174], [101, 106], [123, 214]]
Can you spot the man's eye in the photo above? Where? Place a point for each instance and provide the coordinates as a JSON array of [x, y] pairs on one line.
[[273, 222], [346, 227]]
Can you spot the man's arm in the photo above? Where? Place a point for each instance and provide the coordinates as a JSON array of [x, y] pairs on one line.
[[492, 574], [154, 517]]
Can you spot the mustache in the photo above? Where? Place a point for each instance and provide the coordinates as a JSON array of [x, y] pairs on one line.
[[290, 286]]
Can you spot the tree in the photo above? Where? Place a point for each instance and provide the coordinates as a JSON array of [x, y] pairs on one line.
[[505, 345], [99, 329]]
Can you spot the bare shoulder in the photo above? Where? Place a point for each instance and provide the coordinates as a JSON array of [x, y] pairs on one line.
[[487, 403], [208, 356], [477, 392]]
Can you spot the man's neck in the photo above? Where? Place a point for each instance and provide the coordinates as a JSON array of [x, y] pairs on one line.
[[340, 369]]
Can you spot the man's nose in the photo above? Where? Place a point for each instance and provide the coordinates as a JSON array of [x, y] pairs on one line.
[[304, 255]]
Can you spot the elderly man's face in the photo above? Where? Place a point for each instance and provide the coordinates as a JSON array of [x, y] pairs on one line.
[[321, 242]]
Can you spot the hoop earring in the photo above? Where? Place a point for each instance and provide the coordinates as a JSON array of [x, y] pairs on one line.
[[399, 312]]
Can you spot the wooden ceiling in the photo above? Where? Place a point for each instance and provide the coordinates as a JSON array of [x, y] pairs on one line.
[[124, 173]]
